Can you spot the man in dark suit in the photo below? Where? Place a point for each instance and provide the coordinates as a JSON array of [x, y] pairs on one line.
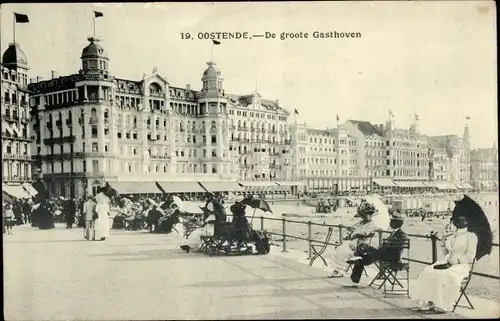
[[367, 255]]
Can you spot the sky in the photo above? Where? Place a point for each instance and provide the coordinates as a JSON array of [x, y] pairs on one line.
[[434, 59]]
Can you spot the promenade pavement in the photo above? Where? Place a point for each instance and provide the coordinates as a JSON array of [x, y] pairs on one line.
[[57, 275]]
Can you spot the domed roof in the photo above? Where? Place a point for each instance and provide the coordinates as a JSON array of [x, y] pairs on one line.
[[14, 55], [211, 72], [94, 50]]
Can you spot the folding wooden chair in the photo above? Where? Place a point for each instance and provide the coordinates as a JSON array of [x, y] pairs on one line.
[[463, 288], [350, 265], [388, 269], [322, 250]]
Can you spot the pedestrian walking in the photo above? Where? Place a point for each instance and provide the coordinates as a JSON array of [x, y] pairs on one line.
[[70, 211], [8, 218], [88, 212]]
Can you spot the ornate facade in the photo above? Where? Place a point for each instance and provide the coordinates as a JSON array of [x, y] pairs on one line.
[[16, 135], [92, 127], [484, 168]]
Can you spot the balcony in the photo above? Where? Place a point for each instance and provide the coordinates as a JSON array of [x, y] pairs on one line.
[[16, 157], [165, 157], [59, 140]]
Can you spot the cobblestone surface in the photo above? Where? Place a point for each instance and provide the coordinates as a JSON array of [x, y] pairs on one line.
[[57, 275]]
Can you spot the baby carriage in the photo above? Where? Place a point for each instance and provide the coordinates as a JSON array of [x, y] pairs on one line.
[[236, 237]]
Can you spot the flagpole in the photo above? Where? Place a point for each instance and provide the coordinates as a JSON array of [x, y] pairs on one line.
[[94, 25], [14, 25], [213, 51]]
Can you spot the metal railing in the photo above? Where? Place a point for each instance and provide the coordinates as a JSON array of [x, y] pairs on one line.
[[341, 229]]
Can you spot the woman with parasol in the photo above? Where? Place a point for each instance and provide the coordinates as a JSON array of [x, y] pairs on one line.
[[438, 286]]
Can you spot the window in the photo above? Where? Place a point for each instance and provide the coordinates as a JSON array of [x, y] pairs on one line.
[[95, 166], [94, 132], [214, 139], [95, 147], [134, 151]]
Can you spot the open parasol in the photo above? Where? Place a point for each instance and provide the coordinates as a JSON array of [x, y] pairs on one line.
[[477, 223], [215, 207], [381, 217], [256, 203], [42, 192]]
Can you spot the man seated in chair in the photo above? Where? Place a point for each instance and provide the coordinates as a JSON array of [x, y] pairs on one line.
[[362, 232], [367, 255], [438, 285]]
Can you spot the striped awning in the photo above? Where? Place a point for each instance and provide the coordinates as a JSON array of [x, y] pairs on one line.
[[258, 184], [16, 191], [445, 186], [30, 189], [222, 186], [467, 186], [132, 187], [286, 183], [182, 187], [384, 182], [413, 184]]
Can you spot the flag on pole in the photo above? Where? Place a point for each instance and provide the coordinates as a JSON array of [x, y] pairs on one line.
[[416, 117], [98, 14], [21, 18], [216, 42], [390, 113], [338, 117], [296, 112], [467, 117]]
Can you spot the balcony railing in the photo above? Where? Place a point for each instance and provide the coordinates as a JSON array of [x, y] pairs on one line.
[[16, 156]]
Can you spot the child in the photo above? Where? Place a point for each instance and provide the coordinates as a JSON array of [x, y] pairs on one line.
[[8, 218]]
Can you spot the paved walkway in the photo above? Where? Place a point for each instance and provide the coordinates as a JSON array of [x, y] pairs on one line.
[[57, 275]]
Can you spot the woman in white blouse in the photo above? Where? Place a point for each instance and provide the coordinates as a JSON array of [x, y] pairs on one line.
[[438, 286]]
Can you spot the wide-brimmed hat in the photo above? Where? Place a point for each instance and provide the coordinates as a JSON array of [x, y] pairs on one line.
[[396, 216], [365, 209]]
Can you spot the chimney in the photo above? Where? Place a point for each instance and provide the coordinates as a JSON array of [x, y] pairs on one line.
[[188, 87], [54, 74], [38, 79]]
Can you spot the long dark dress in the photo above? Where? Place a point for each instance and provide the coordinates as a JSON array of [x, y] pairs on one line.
[[45, 217]]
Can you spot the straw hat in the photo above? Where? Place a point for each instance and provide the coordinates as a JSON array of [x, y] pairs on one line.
[[396, 216]]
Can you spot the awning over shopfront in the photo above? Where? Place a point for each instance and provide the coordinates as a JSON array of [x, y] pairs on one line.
[[445, 186], [222, 186], [259, 184], [414, 184], [135, 187], [429, 184], [182, 187], [16, 191], [30, 189], [286, 183], [384, 182], [467, 186], [486, 184]]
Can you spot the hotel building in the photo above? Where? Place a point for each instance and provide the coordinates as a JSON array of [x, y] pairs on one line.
[[92, 127], [484, 168], [326, 160], [16, 135]]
